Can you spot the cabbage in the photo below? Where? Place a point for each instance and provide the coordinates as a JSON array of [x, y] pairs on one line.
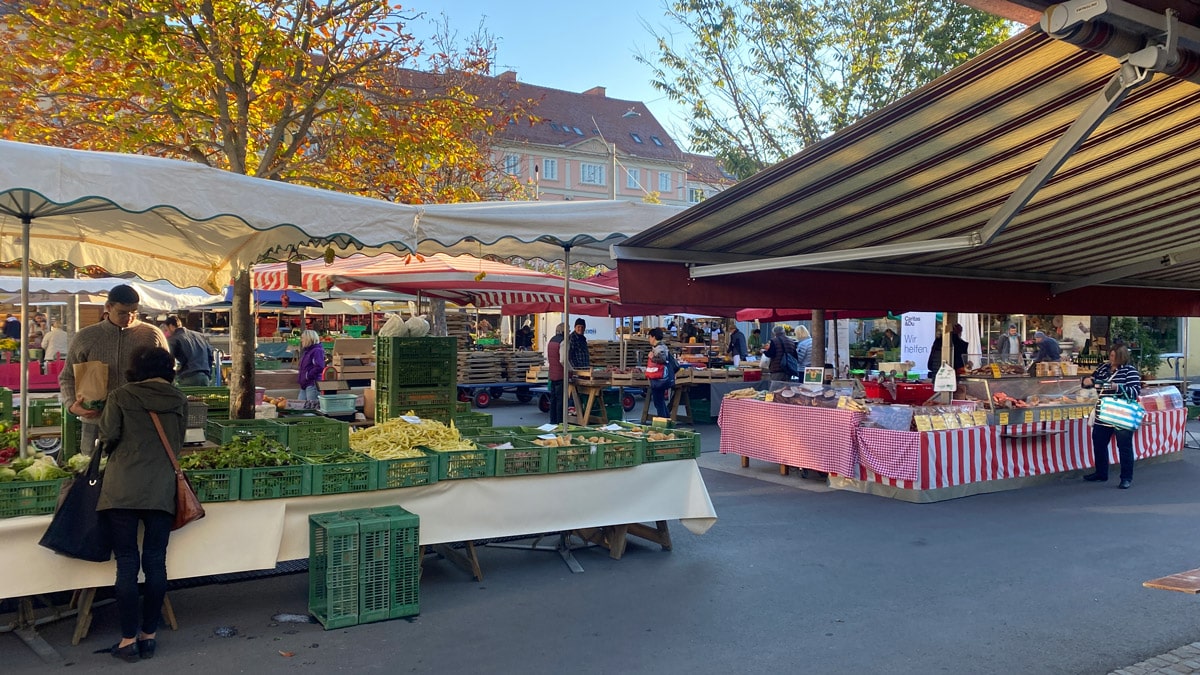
[[42, 469], [7, 474], [23, 463], [79, 463]]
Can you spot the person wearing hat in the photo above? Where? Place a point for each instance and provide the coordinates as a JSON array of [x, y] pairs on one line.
[[577, 347], [554, 360], [1008, 346], [1047, 349], [113, 341], [523, 340]]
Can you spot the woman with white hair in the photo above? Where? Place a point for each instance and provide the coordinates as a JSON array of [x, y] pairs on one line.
[[312, 364], [55, 342]]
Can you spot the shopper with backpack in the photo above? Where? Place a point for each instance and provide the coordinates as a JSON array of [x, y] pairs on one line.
[[659, 371], [784, 360]]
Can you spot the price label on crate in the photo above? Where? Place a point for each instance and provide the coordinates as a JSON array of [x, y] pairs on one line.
[[548, 427], [1002, 418], [411, 419]]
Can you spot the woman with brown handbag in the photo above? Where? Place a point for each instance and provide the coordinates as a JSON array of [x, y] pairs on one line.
[[140, 487]]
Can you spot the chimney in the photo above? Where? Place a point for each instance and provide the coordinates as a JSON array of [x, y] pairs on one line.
[[595, 91], [507, 76]]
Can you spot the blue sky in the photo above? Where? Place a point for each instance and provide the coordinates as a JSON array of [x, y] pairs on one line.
[[568, 45]]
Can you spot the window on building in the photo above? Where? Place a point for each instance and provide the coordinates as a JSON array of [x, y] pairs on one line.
[[591, 174], [577, 131], [554, 126], [633, 178], [512, 165], [550, 169], [636, 138], [695, 195], [664, 182], [656, 141]]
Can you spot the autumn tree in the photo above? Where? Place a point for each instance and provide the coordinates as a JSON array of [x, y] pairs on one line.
[[764, 78], [289, 90]]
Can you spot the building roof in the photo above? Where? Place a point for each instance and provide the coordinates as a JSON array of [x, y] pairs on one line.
[[567, 118], [708, 170]]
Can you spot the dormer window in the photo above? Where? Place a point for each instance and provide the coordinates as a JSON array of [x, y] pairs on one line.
[[656, 141], [635, 137]]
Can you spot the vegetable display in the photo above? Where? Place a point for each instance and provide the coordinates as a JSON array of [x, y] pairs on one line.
[[240, 453], [399, 439]]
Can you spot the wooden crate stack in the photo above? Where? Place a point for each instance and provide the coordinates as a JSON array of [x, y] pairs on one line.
[[458, 326], [607, 354], [480, 367], [354, 358], [517, 364]]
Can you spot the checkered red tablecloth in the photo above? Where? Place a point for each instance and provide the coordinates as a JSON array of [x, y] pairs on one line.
[[801, 436]]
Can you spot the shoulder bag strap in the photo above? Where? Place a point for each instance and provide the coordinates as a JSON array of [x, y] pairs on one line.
[[162, 435]]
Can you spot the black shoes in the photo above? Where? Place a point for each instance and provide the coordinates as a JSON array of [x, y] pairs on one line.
[[1126, 484], [1095, 477], [128, 653], [146, 648]]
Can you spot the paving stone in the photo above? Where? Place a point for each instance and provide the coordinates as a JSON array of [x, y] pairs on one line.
[[1156, 662], [1187, 650], [1170, 658], [1192, 663], [1182, 669]]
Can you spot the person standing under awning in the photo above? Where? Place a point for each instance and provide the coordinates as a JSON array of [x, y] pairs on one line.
[[1047, 349]]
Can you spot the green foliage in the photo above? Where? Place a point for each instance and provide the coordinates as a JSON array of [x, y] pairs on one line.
[[1141, 341], [765, 78]]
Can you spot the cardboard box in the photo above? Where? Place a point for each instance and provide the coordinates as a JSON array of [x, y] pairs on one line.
[[369, 403], [353, 346]]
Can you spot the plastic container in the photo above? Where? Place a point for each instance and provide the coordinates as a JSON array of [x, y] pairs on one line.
[[259, 394]]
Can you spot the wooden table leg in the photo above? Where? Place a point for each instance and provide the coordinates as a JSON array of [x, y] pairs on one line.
[[783, 469], [81, 601], [658, 534], [468, 563], [169, 613], [745, 462], [611, 537]]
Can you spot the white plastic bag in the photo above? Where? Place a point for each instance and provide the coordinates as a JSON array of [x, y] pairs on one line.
[[945, 379], [394, 327]]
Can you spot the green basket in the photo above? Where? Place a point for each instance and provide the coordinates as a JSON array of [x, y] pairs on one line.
[[45, 413], [342, 477], [217, 398], [276, 482], [268, 364], [460, 407], [456, 464], [215, 485], [223, 431], [386, 411], [473, 420], [569, 458], [408, 471], [72, 437], [29, 498], [621, 452], [310, 433], [412, 397], [685, 445], [522, 459], [6, 404], [364, 566]]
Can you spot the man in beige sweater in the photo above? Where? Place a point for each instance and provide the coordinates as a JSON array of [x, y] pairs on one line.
[[112, 341]]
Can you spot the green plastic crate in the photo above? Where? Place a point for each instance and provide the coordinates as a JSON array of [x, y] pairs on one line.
[[215, 485], [522, 459], [685, 445], [217, 398], [701, 412], [72, 436], [456, 464], [310, 433], [333, 583], [416, 348], [385, 410], [442, 397], [45, 413], [276, 482], [29, 498], [223, 431], [473, 420], [342, 477], [364, 566], [577, 456], [408, 471], [6, 404], [623, 451], [461, 407]]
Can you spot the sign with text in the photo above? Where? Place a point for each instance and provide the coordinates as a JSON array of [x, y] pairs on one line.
[[917, 332]]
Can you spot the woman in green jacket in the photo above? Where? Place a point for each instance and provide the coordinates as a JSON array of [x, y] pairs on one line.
[[139, 487]]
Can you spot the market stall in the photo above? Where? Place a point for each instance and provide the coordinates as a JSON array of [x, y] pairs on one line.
[[269, 531], [937, 452]]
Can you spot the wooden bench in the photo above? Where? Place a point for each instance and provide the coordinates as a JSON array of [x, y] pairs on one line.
[[1183, 582]]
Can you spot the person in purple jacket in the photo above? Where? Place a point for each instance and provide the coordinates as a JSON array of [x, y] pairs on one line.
[[312, 364]]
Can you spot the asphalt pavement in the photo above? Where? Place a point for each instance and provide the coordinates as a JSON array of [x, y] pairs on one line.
[[794, 577]]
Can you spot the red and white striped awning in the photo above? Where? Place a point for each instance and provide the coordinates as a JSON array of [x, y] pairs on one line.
[[460, 279]]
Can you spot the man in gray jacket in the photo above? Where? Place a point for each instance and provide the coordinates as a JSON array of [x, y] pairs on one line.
[[112, 341]]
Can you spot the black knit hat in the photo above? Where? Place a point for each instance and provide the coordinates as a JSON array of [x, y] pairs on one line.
[[124, 295]]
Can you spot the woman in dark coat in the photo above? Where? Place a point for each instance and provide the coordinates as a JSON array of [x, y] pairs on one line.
[[139, 487]]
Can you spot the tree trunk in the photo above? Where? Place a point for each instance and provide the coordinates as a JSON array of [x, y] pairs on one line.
[[241, 344], [817, 333], [437, 318]]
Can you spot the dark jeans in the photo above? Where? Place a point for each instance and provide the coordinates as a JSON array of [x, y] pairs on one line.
[[556, 401], [192, 380], [123, 523], [658, 396], [1101, 435]]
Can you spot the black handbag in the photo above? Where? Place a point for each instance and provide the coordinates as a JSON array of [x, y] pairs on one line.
[[76, 530]]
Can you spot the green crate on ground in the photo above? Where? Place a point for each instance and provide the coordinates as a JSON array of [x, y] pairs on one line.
[[473, 420], [456, 464], [522, 459], [276, 482], [268, 364], [408, 471], [215, 485], [416, 348], [29, 498], [461, 407], [223, 431], [364, 566], [311, 433], [701, 412], [333, 555], [341, 477]]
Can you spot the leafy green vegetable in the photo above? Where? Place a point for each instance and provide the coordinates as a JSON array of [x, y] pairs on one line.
[[42, 469], [79, 463], [7, 475], [240, 453]]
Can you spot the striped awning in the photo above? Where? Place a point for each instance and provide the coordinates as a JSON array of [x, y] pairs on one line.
[[938, 164]]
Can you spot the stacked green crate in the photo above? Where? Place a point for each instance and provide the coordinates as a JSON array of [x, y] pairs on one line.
[[364, 566], [6, 404], [418, 375], [72, 436], [216, 398]]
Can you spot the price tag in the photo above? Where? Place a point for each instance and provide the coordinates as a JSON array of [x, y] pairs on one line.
[[966, 419], [1073, 413], [980, 418], [923, 423], [1056, 415], [548, 427], [547, 437], [769, 397], [939, 422], [1002, 418], [612, 427], [995, 371], [951, 421], [1028, 417], [411, 419], [504, 446]]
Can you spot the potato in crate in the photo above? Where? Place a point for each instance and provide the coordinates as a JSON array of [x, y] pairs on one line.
[[515, 456]]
